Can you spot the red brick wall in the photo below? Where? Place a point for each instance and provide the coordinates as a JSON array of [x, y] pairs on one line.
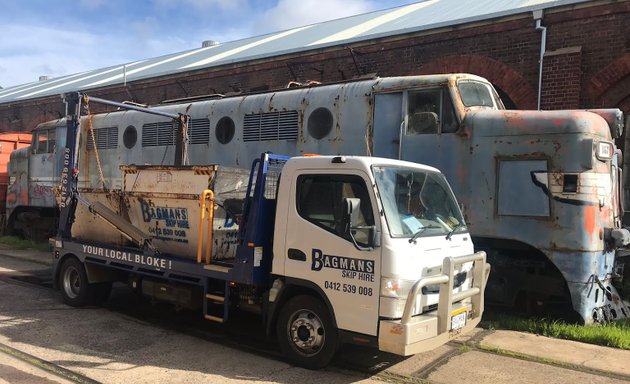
[[610, 85], [561, 79], [587, 64]]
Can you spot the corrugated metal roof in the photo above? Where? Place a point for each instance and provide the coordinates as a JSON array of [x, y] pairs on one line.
[[414, 17]]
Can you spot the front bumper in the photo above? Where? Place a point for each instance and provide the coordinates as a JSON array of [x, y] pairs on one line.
[[456, 314]]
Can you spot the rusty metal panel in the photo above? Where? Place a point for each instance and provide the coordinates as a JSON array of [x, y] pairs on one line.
[[89, 227], [167, 179], [17, 191], [166, 203]]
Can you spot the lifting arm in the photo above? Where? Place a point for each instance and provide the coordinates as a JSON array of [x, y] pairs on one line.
[[70, 171]]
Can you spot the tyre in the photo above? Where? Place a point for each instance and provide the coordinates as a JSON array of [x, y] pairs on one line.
[[306, 333], [75, 289]]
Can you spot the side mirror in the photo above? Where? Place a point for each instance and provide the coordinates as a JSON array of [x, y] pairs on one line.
[[352, 206]]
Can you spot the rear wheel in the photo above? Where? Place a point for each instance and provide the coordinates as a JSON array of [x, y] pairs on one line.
[[306, 333], [74, 283]]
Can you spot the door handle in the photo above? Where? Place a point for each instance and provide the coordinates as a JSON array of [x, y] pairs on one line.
[[296, 254]]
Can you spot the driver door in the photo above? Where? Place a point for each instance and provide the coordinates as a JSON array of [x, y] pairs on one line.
[[321, 249]]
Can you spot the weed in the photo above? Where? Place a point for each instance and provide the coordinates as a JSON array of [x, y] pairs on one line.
[[614, 334], [15, 242]]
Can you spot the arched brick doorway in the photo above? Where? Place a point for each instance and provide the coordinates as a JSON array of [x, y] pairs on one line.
[[610, 87], [510, 83]]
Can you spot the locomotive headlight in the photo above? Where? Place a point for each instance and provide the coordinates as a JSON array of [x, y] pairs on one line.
[[605, 150]]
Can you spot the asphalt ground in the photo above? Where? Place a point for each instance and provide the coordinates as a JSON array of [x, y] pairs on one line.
[[132, 341]]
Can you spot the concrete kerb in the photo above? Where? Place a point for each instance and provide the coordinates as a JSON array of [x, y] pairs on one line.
[[611, 362], [571, 355]]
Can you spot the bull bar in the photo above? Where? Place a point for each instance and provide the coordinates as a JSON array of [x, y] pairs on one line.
[[414, 334]]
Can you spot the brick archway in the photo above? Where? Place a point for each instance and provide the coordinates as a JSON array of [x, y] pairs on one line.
[[499, 74], [609, 86]]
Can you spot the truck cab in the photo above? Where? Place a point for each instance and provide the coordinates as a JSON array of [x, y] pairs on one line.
[[359, 233]]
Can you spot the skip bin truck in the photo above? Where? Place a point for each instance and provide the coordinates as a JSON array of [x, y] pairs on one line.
[[328, 249]]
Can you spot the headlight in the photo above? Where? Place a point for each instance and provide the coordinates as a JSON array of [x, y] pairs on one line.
[[395, 287], [605, 150]]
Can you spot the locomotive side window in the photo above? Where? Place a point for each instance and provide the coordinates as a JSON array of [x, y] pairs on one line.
[[44, 141], [475, 94], [225, 130], [130, 137], [430, 112], [449, 122], [320, 123]]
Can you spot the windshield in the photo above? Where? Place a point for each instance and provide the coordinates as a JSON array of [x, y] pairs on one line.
[[417, 202], [476, 94]]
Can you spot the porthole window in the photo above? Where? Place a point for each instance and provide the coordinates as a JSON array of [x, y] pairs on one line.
[[130, 137], [320, 123], [225, 130]]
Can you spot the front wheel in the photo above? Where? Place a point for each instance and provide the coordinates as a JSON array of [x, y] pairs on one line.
[[306, 333]]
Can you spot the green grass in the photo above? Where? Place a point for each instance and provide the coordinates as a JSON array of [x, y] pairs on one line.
[[615, 334], [15, 242]]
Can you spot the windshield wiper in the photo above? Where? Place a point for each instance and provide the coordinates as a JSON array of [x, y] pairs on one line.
[[420, 231], [452, 231]]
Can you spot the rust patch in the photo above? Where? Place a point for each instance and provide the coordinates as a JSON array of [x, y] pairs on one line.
[[514, 119], [589, 221], [557, 146], [337, 119], [303, 123], [270, 105]]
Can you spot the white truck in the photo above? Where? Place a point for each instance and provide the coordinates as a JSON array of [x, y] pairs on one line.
[[328, 249]]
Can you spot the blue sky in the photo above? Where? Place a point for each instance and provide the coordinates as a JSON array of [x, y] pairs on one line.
[[62, 37]]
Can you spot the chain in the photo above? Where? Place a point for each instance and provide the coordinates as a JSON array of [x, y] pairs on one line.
[[184, 124], [86, 101]]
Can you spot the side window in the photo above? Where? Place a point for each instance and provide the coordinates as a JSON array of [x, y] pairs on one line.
[[423, 112], [449, 122], [52, 140], [428, 110], [44, 141], [474, 93], [320, 201]]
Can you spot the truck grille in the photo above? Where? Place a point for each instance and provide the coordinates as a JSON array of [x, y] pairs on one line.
[[458, 281]]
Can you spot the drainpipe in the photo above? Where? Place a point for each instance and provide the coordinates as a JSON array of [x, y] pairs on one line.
[[538, 15]]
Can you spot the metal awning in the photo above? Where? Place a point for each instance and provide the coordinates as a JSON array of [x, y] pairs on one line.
[[425, 15]]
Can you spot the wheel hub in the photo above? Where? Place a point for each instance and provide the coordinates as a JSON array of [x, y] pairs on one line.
[[71, 283], [307, 332]]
